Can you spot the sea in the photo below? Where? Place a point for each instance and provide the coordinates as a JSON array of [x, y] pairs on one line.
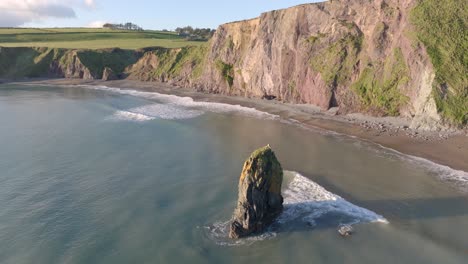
[[95, 174]]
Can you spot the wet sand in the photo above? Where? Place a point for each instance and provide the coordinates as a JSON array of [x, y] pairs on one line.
[[449, 149]]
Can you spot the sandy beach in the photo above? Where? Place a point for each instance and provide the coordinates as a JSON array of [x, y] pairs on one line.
[[445, 148]]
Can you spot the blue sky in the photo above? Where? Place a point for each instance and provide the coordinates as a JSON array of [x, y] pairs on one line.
[[167, 14]]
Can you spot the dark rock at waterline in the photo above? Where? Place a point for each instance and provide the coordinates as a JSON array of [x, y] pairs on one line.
[[268, 97], [260, 200]]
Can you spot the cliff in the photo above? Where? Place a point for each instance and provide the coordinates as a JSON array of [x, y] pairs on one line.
[[63, 63], [384, 57], [358, 55]]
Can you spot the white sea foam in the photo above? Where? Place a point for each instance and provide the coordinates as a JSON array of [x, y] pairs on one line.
[[307, 205], [188, 102], [457, 178], [130, 116], [156, 111], [306, 201]]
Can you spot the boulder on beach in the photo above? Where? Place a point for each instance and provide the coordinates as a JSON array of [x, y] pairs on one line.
[[260, 200]]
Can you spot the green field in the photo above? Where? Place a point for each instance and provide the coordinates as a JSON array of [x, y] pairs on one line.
[[90, 38]]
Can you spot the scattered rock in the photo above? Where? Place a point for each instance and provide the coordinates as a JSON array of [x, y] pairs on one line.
[[260, 200], [108, 74], [345, 230], [333, 111]]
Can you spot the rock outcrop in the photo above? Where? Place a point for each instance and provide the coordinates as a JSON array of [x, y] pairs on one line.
[[108, 74], [260, 200], [72, 67]]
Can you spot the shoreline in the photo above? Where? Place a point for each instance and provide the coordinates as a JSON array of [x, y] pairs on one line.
[[444, 148]]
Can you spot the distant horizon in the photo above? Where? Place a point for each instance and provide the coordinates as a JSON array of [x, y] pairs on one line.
[[155, 15]]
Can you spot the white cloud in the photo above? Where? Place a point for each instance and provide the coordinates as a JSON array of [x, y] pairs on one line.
[[18, 12], [90, 3], [96, 24]]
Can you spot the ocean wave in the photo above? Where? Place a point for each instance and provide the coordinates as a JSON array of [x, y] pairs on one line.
[[458, 179], [188, 102], [307, 206], [130, 116], [156, 111], [307, 201]]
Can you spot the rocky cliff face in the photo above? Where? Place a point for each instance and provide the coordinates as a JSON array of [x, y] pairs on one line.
[[357, 55]]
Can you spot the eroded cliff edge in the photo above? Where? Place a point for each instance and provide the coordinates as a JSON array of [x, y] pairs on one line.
[[382, 57]]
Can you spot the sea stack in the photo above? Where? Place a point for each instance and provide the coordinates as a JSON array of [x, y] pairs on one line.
[[260, 200]]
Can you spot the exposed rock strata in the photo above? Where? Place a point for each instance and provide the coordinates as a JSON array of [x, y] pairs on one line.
[[356, 55], [260, 200]]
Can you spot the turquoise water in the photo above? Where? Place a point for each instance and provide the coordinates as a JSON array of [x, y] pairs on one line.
[[108, 176]]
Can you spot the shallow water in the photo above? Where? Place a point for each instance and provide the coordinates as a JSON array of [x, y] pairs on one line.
[[108, 176]]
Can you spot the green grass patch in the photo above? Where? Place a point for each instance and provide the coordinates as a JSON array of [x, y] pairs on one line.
[[227, 71], [454, 108], [26, 62], [314, 38], [442, 27], [86, 38], [173, 61], [336, 62], [378, 86]]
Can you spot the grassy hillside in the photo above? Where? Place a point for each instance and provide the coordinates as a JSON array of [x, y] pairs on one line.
[[442, 28], [90, 38]]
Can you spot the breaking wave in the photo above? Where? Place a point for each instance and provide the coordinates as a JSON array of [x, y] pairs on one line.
[[130, 116], [307, 205], [189, 103], [456, 178], [155, 111]]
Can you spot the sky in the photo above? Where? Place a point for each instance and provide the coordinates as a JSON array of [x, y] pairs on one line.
[[155, 14]]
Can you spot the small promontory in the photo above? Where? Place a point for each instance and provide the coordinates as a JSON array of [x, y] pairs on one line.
[[260, 200]]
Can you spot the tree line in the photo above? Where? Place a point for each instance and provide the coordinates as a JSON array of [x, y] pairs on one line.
[[126, 26], [191, 33]]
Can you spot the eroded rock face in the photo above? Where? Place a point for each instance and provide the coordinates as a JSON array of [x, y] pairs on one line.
[[72, 67], [108, 74], [260, 200]]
